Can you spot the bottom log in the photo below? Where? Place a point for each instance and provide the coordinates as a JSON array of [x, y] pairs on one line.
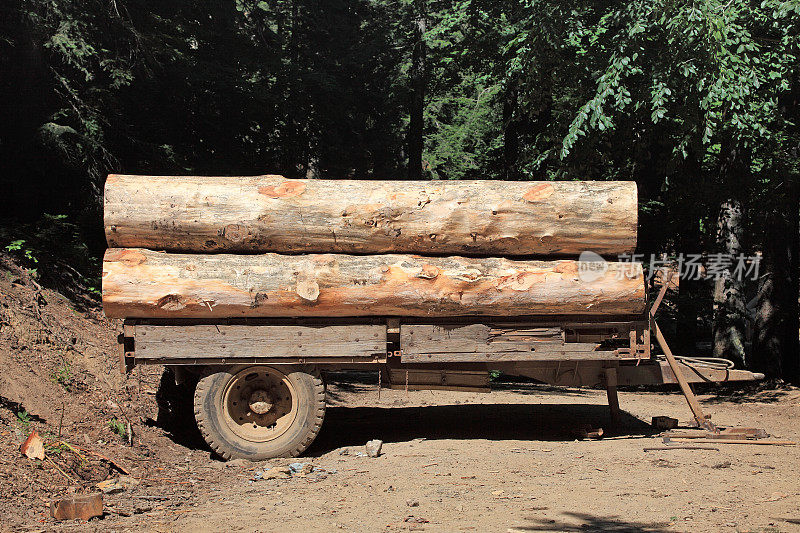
[[140, 283]]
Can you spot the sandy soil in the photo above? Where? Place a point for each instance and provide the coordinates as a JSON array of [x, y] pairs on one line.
[[507, 461]]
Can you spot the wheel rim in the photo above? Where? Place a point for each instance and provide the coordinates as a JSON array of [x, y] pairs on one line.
[[259, 404]]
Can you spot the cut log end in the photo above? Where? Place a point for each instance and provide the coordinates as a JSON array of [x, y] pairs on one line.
[[308, 290]]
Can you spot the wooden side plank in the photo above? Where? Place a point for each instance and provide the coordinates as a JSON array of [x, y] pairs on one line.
[[422, 379], [476, 357], [429, 338], [427, 343], [231, 342]]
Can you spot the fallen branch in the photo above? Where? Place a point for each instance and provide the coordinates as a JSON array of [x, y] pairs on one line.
[[59, 469], [660, 448], [113, 463], [72, 449], [739, 441]]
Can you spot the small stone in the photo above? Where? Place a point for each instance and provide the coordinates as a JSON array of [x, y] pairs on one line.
[[344, 451], [412, 503], [374, 447], [301, 469], [238, 463], [278, 472], [117, 484]]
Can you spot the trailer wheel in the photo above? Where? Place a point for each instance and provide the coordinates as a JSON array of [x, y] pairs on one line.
[[259, 412]]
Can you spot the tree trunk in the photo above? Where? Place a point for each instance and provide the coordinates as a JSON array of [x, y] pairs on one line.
[[729, 305], [769, 334], [419, 76], [776, 349], [271, 214], [143, 283], [790, 362]]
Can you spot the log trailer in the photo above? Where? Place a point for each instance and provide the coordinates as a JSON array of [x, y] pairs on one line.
[[256, 334]]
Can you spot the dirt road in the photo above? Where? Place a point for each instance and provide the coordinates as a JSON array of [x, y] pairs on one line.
[[506, 461]]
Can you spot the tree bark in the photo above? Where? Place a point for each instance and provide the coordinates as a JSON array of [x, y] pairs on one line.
[[272, 214], [776, 348], [790, 362], [729, 304], [419, 75], [769, 334], [143, 283]]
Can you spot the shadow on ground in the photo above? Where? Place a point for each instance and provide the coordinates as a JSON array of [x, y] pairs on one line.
[[353, 426], [761, 392], [587, 522]]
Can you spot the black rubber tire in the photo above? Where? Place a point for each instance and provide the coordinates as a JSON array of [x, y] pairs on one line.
[[208, 411]]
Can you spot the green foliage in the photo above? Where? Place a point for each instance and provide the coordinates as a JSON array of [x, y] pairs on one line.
[[24, 419], [18, 246], [63, 375], [56, 247], [119, 427]]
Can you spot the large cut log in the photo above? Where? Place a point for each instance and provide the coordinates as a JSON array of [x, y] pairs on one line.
[[273, 214], [140, 283]]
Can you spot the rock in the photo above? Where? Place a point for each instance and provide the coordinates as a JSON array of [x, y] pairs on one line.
[[81, 507], [238, 463], [412, 503], [301, 469], [33, 447], [296, 467], [344, 451], [664, 422], [117, 484], [586, 431], [278, 472], [374, 447]]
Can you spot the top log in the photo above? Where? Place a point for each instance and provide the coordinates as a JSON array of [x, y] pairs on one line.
[[274, 214]]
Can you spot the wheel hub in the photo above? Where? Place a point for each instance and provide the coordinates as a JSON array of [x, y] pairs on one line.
[[259, 404]]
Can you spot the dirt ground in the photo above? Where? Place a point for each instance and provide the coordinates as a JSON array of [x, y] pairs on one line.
[[505, 461]]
